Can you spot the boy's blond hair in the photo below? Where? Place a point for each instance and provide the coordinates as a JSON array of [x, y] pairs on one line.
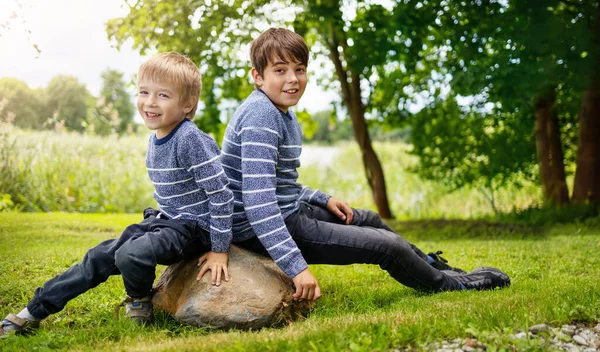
[[175, 69], [277, 43]]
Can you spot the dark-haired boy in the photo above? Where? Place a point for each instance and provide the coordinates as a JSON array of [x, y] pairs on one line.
[[293, 224]]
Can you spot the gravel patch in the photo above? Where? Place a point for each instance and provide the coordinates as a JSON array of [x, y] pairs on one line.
[[572, 338]]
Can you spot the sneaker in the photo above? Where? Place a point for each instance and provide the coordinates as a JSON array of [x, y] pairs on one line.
[[140, 310], [13, 325], [441, 263], [482, 278]]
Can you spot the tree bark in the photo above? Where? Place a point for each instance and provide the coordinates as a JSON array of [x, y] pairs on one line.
[[587, 175], [351, 95], [549, 150]]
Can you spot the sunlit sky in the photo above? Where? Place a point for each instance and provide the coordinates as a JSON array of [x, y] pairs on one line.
[[72, 39]]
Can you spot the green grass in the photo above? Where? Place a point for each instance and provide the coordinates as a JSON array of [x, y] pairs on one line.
[[554, 275]]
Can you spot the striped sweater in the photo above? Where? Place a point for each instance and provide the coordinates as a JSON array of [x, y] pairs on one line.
[[261, 152], [190, 183]]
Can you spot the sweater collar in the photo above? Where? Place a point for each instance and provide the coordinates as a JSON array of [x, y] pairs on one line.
[[165, 139], [284, 114]]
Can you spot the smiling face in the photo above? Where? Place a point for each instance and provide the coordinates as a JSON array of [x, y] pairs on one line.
[[283, 82], [160, 106]]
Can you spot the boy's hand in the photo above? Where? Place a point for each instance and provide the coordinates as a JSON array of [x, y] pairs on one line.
[[216, 263], [341, 209], [307, 286]]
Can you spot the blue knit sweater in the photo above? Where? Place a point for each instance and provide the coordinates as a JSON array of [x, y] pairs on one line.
[[261, 152], [190, 183]]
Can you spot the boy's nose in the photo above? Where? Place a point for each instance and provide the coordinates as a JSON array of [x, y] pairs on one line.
[[292, 77], [151, 100]]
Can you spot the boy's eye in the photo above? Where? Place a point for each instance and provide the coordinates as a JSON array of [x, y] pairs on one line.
[[163, 95], [143, 92]]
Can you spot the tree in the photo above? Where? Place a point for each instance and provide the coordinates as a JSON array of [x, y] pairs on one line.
[[113, 111], [114, 93], [532, 61], [67, 100], [22, 102], [587, 176]]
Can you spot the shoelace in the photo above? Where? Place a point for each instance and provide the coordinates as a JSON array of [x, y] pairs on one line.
[[437, 256]]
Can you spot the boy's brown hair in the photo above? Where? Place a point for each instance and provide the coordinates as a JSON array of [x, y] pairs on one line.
[[175, 69], [277, 43]]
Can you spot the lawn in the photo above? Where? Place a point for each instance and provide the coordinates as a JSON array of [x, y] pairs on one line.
[[554, 272]]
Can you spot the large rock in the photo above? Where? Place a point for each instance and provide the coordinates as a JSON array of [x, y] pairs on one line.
[[258, 294]]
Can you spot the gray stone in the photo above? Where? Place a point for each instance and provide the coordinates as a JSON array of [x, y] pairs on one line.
[[258, 294], [568, 330], [521, 335], [468, 348], [536, 329], [580, 340]]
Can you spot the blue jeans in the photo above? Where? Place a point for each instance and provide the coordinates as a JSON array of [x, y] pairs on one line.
[[134, 255], [324, 239]]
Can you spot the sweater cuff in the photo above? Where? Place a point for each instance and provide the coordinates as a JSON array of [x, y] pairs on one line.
[[293, 264], [320, 198], [221, 244]]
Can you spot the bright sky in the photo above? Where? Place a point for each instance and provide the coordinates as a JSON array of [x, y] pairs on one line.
[[72, 39]]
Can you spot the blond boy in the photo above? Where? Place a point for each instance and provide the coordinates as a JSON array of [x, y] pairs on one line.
[[195, 205]]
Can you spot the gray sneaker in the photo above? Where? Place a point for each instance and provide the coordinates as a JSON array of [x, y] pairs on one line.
[[482, 278], [140, 310], [13, 325]]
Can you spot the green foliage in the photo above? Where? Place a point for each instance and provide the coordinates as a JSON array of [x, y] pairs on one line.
[[113, 112], [68, 101], [20, 104], [362, 308], [327, 129], [510, 53], [471, 147]]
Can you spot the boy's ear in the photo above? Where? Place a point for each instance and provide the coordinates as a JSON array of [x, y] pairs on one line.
[[258, 80], [190, 105]]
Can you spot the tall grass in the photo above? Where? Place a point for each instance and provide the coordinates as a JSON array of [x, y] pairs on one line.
[[47, 171]]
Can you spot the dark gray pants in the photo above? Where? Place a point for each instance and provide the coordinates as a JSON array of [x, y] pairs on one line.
[[324, 239], [134, 255]]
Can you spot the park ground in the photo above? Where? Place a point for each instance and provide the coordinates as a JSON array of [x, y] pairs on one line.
[[554, 271]]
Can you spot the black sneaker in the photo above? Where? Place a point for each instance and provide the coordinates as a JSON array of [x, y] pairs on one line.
[[13, 325], [482, 278], [441, 263]]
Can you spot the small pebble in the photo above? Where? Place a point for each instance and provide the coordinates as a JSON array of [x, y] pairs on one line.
[[568, 330], [580, 340], [468, 348], [536, 329], [520, 335]]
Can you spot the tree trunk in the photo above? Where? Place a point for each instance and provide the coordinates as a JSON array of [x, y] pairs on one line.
[[549, 150], [587, 175], [351, 95]]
